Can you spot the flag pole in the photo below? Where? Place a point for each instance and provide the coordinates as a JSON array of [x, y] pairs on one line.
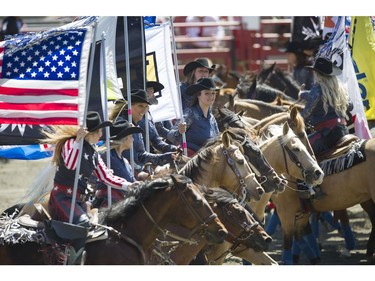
[[128, 85], [105, 111], [91, 63], [184, 144]]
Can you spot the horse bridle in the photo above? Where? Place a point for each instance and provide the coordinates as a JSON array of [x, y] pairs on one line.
[[292, 157], [241, 181], [198, 229], [246, 232]]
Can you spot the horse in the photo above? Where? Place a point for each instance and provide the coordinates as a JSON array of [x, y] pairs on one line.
[[265, 173], [243, 229], [134, 223], [342, 190], [289, 228], [286, 154], [222, 164], [280, 80]]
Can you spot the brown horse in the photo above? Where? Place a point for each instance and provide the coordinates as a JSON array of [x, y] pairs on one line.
[[134, 223], [243, 229]]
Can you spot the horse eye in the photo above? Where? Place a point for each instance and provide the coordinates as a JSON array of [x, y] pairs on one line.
[[241, 161], [296, 149]]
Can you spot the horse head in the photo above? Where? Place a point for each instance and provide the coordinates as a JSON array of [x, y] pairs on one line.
[[207, 224], [280, 142], [243, 228], [235, 164]]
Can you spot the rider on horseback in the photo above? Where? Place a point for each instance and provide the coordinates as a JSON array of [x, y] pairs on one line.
[[326, 108]]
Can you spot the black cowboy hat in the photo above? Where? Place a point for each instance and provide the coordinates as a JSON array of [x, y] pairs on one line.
[[157, 88], [202, 84], [156, 85], [200, 62], [139, 95], [325, 66], [121, 129], [94, 121]]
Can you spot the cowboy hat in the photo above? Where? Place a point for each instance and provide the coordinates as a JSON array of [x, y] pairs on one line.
[[156, 85], [139, 95], [94, 121], [202, 84], [325, 67], [121, 129], [200, 62], [157, 88]]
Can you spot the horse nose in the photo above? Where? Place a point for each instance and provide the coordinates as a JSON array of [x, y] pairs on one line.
[[260, 190], [318, 174], [223, 234]]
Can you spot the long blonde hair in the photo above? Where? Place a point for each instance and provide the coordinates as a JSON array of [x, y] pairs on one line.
[[117, 110], [333, 93], [57, 136]]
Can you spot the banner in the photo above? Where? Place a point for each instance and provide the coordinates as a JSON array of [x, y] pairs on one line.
[[362, 40], [159, 67], [26, 152], [336, 48]]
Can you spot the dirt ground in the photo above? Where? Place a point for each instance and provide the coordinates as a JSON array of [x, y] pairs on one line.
[[16, 177]]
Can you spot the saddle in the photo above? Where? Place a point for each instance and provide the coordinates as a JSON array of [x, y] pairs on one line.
[[341, 148]]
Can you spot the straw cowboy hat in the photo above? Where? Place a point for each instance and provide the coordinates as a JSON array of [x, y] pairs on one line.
[[200, 62], [325, 66], [202, 84], [94, 121], [121, 129]]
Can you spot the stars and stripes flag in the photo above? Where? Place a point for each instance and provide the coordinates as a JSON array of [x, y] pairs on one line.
[[43, 76]]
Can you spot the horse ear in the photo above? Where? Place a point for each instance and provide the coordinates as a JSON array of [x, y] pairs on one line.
[[226, 139], [293, 112], [285, 128]]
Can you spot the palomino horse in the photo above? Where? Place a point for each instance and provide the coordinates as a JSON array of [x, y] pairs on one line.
[[287, 154], [224, 165], [243, 229], [134, 223]]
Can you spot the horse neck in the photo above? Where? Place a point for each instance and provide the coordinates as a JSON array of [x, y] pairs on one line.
[[273, 151], [194, 170], [143, 229]]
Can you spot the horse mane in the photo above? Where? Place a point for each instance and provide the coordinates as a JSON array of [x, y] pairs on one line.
[[193, 167], [206, 154], [125, 208], [220, 196]]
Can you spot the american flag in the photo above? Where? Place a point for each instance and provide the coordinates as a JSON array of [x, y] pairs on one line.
[[43, 77]]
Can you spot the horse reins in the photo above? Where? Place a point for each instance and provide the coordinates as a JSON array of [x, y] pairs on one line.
[[203, 222]]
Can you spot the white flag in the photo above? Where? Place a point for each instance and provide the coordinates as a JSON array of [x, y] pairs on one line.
[[160, 68], [340, 55]]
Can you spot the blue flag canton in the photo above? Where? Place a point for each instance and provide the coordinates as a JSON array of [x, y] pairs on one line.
[[54, 55]]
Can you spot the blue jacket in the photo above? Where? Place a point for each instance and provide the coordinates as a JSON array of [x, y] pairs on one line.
[[156, 141], [120, 166], [199, 128], [141, 156], [314, 113]]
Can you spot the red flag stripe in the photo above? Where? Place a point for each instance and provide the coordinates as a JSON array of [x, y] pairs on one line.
[[37, 92], [38, 106]]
